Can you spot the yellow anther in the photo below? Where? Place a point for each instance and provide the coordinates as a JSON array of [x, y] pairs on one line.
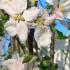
[[18, 17], [7, 1], [34, 1], [61, 7]]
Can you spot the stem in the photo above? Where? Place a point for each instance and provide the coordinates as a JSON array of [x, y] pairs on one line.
[[52, 45], [30, 40], [17, 49], [28, 4], [12, 46], [52, 48]]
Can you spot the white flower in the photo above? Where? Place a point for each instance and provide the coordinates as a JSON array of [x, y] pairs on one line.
[[42, 36], [17, 28], [31, 14], [13, 7]]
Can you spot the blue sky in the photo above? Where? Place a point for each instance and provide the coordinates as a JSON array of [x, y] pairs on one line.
[[4, 42]]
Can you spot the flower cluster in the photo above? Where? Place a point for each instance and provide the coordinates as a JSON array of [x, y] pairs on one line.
[[20, 18]]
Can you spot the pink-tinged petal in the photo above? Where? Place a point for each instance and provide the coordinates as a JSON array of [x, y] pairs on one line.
[[7, 9], [22, 31], [50, 18], [13, 7], [30, 14], [18, 5], [59, 14], [41, 11], [14, 64], [10, 27]]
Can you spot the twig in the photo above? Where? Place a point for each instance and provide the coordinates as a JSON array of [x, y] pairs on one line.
[[52, 46]]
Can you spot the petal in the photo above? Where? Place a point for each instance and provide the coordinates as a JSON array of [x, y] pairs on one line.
[[42, 37], [30, 14], [10, 27], [13, 7], [18, 5], [30, 24], [60, 15], [11, 30], [22, 31], [7, 9], [50, 19], [14, 64]]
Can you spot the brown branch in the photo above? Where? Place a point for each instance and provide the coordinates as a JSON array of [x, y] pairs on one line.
[[12, 46], [52, 48], [52, 44]]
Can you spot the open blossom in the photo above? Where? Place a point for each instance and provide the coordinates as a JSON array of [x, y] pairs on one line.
[[17, 28], [32, 14], [42, 36], [13, 7], [14, 26]]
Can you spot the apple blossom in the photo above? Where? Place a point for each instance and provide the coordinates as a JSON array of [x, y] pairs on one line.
[[17, 28]]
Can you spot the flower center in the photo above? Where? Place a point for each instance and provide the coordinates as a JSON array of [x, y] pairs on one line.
[[18, 17], [61, 7], [7, 1]]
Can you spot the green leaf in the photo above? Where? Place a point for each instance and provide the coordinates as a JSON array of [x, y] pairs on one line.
[[3, 18], [27, 58]]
